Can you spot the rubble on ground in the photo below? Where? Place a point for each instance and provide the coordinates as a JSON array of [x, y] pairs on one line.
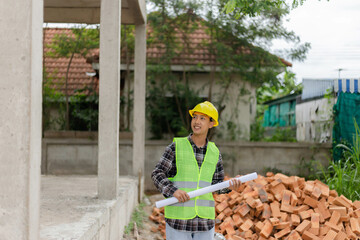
[[282, 207]]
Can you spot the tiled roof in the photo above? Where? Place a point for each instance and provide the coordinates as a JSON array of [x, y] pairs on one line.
[[56, 67]]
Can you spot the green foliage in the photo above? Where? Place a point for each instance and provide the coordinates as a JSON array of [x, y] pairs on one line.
[[238, 45], [167, 105], [310, 169], [343, 175], [137, 217], [84, 110], [257, 7], [257, 130], [79, 42], [287, 85], [280, 134], [52, 98], [267, 92]]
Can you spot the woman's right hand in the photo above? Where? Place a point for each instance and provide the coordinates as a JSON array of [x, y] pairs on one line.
[[181, 195]]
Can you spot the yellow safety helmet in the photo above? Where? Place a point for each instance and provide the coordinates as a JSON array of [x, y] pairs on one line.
[[206, 108]]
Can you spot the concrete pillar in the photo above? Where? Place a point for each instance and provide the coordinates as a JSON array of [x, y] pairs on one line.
[[109, 98], [139, 100], [20, 118]]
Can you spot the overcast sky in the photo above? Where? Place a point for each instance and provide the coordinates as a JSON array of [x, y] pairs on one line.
[[333, 29]]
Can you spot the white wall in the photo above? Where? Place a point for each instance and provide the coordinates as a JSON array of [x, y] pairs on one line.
[[314, 120]]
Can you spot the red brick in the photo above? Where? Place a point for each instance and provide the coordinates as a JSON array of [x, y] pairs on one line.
[[356, 204], [251, 202], [310, 201], [295, 219], [306, 214], [237, 219], [294, 235], [350, 233], [323, 210], [243, 209], [282, 233], [341, 236], [258, 226], [263, 195], [247, 225], [267, 230], [266, 214], [309, 236], [340, 201], [315, 218], [301, 208], [335, 217], [330, 235], [275, 209], [354, 224], [340, 209], [283, 225], [305, 225], [221, 206], [286, 196], [287, 208]]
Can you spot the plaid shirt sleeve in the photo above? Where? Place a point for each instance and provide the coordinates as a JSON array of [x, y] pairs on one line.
[[164, 169], [219, 176]]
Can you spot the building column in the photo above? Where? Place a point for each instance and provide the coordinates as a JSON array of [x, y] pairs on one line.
[[20, 118], [109, 99], [139, 102]]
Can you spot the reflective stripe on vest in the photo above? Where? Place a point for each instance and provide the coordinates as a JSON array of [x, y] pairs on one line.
[[183, 184], [199, 202], [189, 178]]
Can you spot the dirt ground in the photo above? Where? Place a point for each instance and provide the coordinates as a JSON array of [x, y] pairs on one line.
[[145, 232]]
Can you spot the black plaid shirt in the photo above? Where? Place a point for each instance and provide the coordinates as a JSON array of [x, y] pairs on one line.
[[166, 168]]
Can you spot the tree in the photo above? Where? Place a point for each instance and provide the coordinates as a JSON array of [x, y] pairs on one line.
[[287, 85], [238, 46], [256, 7], [79, 42]]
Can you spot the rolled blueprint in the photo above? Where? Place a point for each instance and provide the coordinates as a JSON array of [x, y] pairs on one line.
[[202, 191]]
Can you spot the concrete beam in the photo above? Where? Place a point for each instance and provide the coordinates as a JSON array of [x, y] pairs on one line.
[[90, 15], [88, 11], [20, 118], [109, 99]]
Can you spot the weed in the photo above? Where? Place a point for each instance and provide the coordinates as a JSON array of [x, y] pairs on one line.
[[137, 217], [342, 175]]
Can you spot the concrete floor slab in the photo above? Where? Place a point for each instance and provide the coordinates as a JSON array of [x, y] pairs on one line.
[[70, 208]]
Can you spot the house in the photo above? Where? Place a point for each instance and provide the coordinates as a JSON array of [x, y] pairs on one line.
[[281, 111], [237, 99], [314, 111]]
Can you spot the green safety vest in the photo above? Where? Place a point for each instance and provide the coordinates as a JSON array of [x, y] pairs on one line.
[[189, 178]]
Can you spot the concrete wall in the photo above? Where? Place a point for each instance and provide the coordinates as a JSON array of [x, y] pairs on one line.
[[71, 209], [314, 120], [239, 102], [79, 156]]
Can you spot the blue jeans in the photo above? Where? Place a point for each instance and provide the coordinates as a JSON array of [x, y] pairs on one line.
[[173, 234]]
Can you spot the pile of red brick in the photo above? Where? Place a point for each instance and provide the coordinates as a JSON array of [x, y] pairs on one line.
[[282, 207], [157, 216]]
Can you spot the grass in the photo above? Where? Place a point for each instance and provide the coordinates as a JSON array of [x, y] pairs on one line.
[[137, 216], [343, 175]]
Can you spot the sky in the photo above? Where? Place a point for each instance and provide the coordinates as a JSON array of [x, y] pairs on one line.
[[333, 30]]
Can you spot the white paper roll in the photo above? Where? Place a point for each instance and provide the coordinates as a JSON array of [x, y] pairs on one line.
[[202, 191]]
